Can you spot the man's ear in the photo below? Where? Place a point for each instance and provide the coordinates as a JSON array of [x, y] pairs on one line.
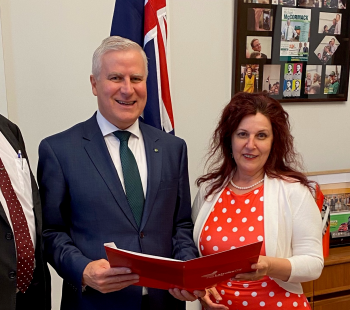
[[93, 84]]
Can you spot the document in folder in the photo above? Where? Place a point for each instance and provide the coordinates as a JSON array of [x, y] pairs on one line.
[[195, 274]]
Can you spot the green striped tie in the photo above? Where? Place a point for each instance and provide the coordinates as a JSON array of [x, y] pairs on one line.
[[132, 180]]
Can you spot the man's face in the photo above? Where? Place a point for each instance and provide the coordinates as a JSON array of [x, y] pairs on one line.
[[288, 22], [290, 67], [337, 18], [249, 72], [332, 42], [332, 77], [256, 46], [121, 87]]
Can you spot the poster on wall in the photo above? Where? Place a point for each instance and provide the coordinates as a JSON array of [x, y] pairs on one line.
[[295, 32], [335, 187], [296, 50]]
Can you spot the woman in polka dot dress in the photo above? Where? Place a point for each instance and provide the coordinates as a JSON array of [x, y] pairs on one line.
[[255, 194]]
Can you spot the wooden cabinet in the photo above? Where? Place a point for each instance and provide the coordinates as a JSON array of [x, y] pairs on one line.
[[332, 290]]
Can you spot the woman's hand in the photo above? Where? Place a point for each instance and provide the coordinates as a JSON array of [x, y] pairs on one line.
[[206, 302], [279, 268], [261, 267]]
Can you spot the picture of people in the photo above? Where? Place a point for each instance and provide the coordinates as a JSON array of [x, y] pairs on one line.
[[250, 78], [329, 23], [297, 71], [288, 72], [258, 47], [313, 79], [295, 29], [271, 79], [285, 2], [296, 88], [287, 88], [257, 1], [292, 79], [326, 48], [332, 80], [339, 202], [310, 3], [259, 19], [289, 33], [334, 4]]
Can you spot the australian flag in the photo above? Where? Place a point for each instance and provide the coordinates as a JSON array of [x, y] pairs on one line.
[[145, 22]]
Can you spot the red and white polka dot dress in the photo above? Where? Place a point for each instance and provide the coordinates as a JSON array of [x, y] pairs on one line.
[[238, 220]]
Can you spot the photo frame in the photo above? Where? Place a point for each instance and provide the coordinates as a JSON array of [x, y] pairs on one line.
[[335, 186], [280, 36]]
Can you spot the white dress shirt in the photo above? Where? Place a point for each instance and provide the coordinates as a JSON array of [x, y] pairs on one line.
[[21, 183], [136, 145]]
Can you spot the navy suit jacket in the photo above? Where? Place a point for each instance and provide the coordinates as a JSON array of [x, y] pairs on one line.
[[38, 295], [84, 206]]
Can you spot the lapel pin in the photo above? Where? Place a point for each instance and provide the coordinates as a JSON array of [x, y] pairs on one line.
[[156, 150]]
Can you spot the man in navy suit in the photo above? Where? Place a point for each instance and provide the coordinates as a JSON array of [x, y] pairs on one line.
[[85, 197]]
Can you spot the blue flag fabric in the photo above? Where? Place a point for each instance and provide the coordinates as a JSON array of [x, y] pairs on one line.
[[144, 21]]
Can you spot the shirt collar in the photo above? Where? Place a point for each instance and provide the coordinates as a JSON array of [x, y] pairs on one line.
[[108, 128]]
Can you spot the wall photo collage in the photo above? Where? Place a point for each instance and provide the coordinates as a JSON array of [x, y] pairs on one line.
[[297, 50]]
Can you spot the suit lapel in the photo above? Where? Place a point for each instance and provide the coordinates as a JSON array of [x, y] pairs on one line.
[[97, 151], [154, 168], [8, 134]]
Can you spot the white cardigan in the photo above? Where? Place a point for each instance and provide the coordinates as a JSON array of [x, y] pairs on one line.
[[292, 224]]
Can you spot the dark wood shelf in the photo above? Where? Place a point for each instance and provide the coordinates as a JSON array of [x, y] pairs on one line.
[[331, 290]]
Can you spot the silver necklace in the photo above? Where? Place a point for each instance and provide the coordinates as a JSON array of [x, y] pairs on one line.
[[247, 187]]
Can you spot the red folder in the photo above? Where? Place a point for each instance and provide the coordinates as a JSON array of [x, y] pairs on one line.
[[195, 274]]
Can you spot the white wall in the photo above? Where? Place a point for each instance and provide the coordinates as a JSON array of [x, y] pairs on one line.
[[47, 54], [3, 98]]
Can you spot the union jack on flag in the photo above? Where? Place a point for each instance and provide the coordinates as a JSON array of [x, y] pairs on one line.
[[145, 22]]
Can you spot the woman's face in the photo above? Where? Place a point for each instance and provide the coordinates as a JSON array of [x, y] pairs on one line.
[[290, 67], [297, 84], [251, 144], [289, 84], [308, 76]]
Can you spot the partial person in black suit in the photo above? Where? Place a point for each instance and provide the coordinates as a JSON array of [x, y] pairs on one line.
[[38, 294]]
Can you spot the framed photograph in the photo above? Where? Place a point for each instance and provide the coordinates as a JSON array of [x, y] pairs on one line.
[[300, 48], [335, 186]]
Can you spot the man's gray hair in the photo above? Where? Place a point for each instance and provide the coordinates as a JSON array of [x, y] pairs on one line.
[[115, 43]]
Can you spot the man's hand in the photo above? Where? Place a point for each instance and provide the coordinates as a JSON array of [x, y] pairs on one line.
[[185, 295], [100, 276], [207, 303]]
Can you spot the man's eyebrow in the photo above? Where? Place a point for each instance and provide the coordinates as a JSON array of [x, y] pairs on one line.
[[139, 75]]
